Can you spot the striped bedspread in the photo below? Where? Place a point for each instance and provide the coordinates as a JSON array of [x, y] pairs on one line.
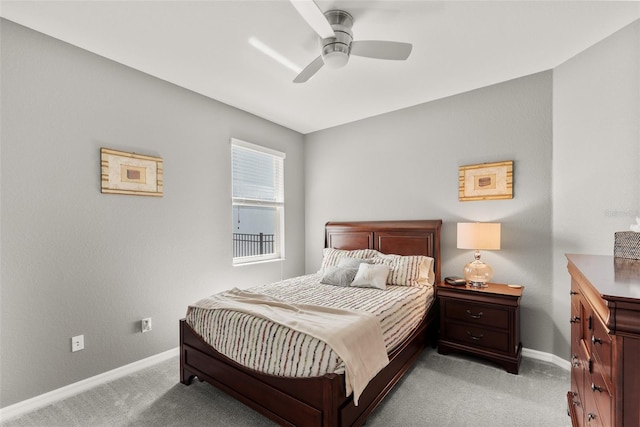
[[274, 349]]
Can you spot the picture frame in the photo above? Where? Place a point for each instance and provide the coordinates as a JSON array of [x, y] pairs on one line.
[[486, 181], [130, 173]]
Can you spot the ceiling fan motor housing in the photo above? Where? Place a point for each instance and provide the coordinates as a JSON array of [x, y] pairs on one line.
[[335, 50]]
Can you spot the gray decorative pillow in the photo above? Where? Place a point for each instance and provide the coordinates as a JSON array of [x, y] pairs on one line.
[[338, 276]]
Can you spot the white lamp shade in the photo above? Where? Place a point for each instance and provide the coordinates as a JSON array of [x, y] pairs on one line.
[[479, 235]]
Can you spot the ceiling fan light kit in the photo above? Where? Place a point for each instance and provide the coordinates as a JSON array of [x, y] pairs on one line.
[[336, 50]]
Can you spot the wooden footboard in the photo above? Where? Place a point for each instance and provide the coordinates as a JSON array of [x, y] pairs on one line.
[[317, 401]]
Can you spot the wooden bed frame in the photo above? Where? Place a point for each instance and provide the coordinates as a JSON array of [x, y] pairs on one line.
[[321, 401]]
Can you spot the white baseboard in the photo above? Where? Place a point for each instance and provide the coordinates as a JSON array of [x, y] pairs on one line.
[[546, 357], [45, 399]]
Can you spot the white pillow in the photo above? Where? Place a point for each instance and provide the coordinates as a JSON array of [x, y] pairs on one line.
[[371, 276]]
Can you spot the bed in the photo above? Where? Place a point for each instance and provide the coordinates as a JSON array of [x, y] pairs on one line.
[[323, 400]]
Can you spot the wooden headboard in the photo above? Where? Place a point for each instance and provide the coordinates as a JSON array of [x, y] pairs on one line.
[[414, 237]]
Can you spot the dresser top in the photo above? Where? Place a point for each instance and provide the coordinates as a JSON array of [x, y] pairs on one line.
[[616, 279]]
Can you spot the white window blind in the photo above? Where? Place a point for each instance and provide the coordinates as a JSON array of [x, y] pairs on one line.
[[258, 202]]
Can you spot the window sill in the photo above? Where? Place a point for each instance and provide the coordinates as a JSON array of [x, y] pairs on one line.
[[256, 261]]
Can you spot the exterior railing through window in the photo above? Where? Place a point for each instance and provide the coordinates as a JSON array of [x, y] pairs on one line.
[[245, 244]]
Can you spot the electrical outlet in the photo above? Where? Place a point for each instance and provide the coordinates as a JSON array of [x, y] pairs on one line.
[[77, 343], [145, 324]]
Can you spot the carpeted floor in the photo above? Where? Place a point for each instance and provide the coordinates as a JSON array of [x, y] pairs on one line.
[[438, 391]]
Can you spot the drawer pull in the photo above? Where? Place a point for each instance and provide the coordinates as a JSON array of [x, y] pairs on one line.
[[475, 316], [595, 388], [573, 293], [574, 395], [574, 319], [595, 340], [575, 361], [473, 337], [591, 416]]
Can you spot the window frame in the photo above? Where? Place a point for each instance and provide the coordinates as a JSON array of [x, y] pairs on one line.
[[279, 205]]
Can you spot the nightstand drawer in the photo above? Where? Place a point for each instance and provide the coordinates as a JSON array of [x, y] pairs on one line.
[[478, 337], [477, 314]]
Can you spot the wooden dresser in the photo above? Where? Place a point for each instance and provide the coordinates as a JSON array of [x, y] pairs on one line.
[[605, 341]]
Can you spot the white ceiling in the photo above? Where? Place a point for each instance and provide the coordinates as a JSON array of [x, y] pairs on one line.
[[203, 46]]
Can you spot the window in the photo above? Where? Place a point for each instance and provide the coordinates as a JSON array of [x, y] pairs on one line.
[[258, 202]]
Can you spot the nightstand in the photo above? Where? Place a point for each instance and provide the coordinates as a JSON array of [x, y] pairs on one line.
[[483, 322]]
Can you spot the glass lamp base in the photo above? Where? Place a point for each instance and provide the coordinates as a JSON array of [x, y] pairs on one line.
[[477, 273], [477, 284]]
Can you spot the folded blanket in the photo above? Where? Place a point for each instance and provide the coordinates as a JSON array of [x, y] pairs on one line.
[[355, 336]]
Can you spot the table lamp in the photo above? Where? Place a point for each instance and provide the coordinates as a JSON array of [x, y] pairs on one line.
[[478, 235]]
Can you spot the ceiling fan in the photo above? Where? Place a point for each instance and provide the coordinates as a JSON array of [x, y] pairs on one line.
[[336, 40]]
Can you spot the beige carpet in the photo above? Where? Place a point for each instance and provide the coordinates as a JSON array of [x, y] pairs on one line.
[[439, 391]]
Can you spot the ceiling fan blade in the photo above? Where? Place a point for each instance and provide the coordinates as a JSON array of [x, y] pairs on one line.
[[381, 49], [309, 70], [314, 17]]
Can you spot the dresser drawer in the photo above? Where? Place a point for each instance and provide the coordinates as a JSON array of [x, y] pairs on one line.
[[576, 320], [574, 399], [477, 314], [579, 365], [574, 409], [597, 386], [601, 348], [478, 337], [592, 416]]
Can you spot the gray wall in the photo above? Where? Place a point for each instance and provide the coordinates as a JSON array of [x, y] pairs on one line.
[[596, 153], [75, 261], [404, 165], [575, 140]]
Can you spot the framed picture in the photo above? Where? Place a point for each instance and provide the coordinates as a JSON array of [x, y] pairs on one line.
[[130, 173], [486, 181]]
